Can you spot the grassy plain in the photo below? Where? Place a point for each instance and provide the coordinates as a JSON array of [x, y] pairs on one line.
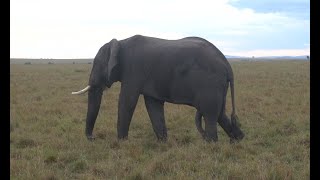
[[47, 138]]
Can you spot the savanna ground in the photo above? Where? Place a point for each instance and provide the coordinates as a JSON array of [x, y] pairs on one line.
[[47, 123]]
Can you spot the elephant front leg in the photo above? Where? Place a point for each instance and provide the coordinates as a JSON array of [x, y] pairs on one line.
[[156, 114], [127, 102]]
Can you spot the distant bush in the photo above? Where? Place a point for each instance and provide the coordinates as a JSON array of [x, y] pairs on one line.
[[89, 62], [27, 63], [50, 63]]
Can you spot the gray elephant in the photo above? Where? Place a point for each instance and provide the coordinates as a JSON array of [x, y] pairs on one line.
[[189, 71]]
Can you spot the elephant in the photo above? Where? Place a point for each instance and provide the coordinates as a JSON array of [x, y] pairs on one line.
[[189, 71]]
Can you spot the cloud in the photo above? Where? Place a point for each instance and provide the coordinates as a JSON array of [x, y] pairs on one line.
[[294, 8], [78, 28], [270, 52]]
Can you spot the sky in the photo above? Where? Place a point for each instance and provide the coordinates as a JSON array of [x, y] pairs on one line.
[[78, 28]]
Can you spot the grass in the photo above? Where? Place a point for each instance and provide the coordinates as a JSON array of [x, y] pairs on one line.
[[47, 138]]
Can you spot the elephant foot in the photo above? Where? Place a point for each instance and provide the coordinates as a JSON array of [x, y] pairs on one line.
[[241, 136], [91, 137], [237, 138], [122, 138], [162, 139], [236, 134], [234, 141], [122, 134], [210, 138]]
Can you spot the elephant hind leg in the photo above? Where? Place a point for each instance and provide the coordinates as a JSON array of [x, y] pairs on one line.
[[210, 134], [210, 107], [233, 131], [211, 116], [223, 120], [156, 113]]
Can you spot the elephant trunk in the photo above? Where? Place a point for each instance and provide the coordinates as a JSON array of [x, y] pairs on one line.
[[94, 101]]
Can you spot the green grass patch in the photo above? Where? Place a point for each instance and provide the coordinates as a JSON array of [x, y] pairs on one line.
[[47, 123]]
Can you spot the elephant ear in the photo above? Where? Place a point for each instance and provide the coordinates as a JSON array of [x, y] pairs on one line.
[[113, 60]]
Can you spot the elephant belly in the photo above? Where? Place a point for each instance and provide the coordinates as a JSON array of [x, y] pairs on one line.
[[169, 91], [172, 90]]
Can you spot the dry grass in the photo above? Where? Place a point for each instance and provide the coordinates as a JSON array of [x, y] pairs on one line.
[[47, 138]]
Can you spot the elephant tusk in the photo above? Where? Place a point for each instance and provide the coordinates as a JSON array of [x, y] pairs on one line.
[[82, 91]]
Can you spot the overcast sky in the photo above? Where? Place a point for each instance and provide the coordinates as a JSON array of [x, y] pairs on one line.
[[78, 28]]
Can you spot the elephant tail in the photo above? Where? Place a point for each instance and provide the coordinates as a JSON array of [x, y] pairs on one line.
[[198, 122], [234, 117]]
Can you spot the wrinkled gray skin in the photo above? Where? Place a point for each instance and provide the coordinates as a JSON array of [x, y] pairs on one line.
[[189, 71]]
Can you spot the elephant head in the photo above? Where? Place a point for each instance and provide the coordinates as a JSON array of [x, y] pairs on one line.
[[104, 73]]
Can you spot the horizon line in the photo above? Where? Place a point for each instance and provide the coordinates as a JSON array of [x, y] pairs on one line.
[[232, 56]]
